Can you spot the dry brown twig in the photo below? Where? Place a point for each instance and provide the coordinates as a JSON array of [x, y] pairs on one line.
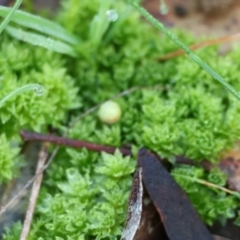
[[201, 45], [43, 155], [28, 184]]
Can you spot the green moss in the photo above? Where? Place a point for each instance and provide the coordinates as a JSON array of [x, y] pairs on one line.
[[212, 204], [20, 65], [8, 158], [84, 194], [87, 204]]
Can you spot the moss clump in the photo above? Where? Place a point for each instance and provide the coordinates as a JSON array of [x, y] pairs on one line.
[[84, 195], [22, 64], [214, 204], [89, 203], [8, 159]]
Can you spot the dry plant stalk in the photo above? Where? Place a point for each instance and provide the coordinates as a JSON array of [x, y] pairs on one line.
[[201, 45], [43, 155]]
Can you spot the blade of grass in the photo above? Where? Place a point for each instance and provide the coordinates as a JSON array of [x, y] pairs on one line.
[[9, 15], [40, 24], [40, 40], [189, 53], [99, 23], [115, 26], [201, 45], [38, 89]]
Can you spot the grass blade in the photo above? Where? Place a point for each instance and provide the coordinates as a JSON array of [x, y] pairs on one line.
[[40, 40], [189, 53], [40, 24], [9, 15]]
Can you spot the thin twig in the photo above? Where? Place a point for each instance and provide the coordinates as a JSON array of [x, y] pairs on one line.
[[124, 93], [6, 192], [206, 183], [18, 195], [63, 141], [35, 191], [28, 184]]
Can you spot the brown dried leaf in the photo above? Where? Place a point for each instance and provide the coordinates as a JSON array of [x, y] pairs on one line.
[[230, 164], [143, 221], [179, 218], [151, 226]]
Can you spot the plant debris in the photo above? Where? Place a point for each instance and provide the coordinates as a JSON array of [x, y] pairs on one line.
[[179, 218], [230, 164]]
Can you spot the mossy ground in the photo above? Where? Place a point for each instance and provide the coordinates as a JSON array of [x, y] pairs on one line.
[[178, 110]]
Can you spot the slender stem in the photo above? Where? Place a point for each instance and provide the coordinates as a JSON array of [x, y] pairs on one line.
[[43, 155], [38, 89], [203, 44], [126, 92], [7, 19], [190, 53], [28, 184], [209, 184], [63, 141]]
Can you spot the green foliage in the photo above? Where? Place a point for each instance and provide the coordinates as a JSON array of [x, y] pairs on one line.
[[8, 159], [14, 233], [21, 65], [87, 205], [195, 58], [211, 203], [41, 25], [116, 167], [237, 220], [84, 195], [9, 15], [185, 123], [28, 110], [41, 41], [38, 89], [78, 18]]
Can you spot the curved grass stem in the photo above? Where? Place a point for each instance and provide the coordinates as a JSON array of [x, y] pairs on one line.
[[38, 89], [188, 51]]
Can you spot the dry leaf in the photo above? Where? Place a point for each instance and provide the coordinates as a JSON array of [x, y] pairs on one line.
[[179, 218]]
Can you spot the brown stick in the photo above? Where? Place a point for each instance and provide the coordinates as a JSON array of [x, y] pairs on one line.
[[35, 191], [63, 141]]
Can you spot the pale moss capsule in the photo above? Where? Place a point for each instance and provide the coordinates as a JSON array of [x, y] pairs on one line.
[[109, 112]]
